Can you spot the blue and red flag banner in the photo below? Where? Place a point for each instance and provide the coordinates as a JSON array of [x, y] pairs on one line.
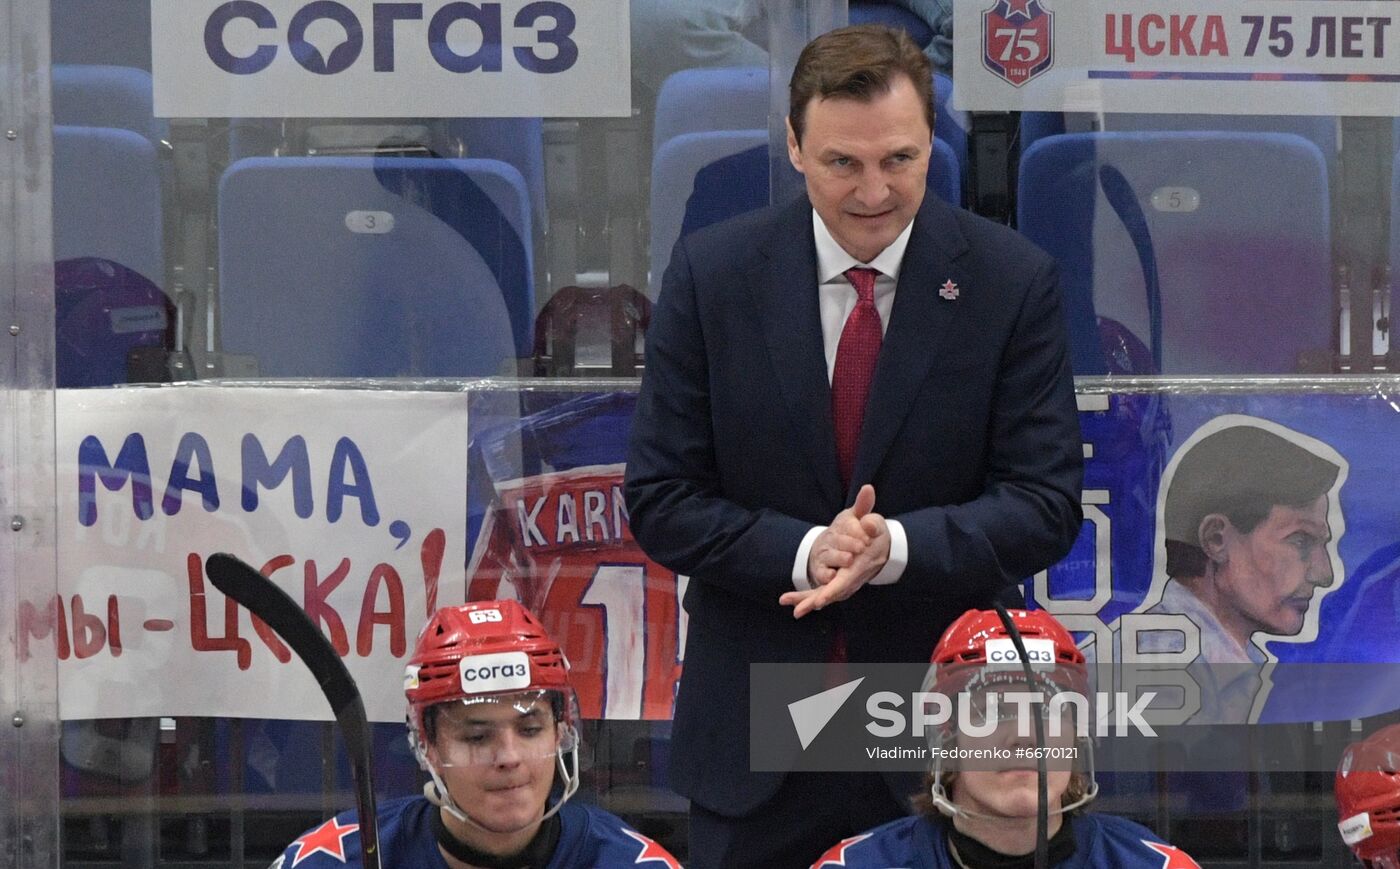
[[1229, 526]]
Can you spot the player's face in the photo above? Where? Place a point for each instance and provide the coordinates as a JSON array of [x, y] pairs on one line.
[[1271, 574], [866, 165], [1008, 788], [497, 760]]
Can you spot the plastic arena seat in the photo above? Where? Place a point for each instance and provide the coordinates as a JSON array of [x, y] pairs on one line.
[[1214, 248], [1321, 131], [120, 97], [516, 141], [107, 200], [705, 100], [874, 12], [110, 304], [375, 267], [109, 263], [102, 32], [950, 125], [734, 166]]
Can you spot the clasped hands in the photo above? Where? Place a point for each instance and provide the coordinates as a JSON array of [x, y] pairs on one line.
[[847, 555]]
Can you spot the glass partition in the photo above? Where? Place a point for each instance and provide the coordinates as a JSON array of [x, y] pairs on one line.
[[359, 292]]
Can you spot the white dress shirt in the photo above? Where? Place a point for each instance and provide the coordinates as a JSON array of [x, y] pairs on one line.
[[837, 298]]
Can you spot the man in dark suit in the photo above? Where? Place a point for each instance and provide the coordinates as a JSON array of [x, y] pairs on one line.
[[868, 354]]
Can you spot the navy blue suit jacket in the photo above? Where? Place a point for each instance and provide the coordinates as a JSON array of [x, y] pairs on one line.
[[971, 439]]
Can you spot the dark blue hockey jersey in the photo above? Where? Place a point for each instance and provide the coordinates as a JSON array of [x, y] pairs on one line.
[[1101, 842], [588, 837]]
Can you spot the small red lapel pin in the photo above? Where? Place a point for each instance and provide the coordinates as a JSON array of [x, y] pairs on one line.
[[949, 290]]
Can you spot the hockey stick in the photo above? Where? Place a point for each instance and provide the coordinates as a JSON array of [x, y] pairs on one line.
[[1042, 800], [264, 599]]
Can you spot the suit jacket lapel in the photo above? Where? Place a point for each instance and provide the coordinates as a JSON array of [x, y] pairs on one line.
[[915, 338], [785, 284]]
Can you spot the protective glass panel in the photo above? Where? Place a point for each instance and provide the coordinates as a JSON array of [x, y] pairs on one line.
[[330, 281]]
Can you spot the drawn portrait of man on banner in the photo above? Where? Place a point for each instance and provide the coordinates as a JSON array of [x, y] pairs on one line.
[[1248, 521]]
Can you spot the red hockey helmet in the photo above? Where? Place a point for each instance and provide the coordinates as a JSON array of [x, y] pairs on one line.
[[977, 657], [1368, 798], [487, 652], [978, 639], [523, 657]]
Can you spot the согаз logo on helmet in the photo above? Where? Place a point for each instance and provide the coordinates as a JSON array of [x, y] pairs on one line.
[[1003, 651], [502, 671]]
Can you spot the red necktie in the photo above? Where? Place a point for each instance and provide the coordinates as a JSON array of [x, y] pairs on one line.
[[856, 355]]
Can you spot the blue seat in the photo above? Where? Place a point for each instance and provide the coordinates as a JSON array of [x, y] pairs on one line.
[[110, 194], [737, 98], [1038, 125], [516, 141], [114, 32], [875, 12], [703, 100], [738, 164], [1321, 131], [110, 263], [950, 125], [703, 178], [1214, 248], [107, 200], [120, 97], [375, 267]]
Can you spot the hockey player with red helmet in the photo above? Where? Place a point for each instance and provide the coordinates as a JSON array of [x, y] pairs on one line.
[[1368, 798], [493, 720], [980, 814]]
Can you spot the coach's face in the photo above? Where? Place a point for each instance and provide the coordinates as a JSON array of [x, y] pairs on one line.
[[866, 165], [1269, 576]]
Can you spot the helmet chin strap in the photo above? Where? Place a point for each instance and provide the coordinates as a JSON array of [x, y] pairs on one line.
[[944, 803], [566, 761]]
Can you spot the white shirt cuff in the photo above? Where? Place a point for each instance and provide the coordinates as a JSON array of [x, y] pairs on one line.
[[804, 550], [899, 555]]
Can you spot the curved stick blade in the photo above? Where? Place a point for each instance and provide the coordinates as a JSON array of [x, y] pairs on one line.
[[266, 600]]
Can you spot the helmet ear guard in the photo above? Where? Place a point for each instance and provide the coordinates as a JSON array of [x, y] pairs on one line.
[[1367, 788], [1075, 798], [488, 652]]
